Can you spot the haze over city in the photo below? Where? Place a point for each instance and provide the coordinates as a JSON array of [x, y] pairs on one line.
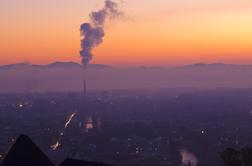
[[126, 83]]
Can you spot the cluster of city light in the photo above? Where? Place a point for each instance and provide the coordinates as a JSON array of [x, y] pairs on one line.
[[89, 124], [20, 105], [23, 104], [69, 119], [67, 123], [56, 146]]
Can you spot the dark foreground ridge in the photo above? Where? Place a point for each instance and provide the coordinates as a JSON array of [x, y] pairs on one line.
[[232, 157], [69, 162], [25, 153]]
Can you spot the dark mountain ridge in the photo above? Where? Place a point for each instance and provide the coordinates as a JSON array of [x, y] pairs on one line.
[[25, 153], [51, 65]]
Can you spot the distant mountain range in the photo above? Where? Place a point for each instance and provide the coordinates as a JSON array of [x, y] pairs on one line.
[[68, 76], [52, 65], [200, 65], [101, 66]]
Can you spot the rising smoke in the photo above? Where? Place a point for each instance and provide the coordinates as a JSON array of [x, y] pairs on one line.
[[93, 32], [188, 158]]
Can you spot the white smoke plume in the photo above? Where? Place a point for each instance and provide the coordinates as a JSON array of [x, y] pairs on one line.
[[188, 158], [93, 32]]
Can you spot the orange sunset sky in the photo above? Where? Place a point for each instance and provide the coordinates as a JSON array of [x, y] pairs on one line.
[[153, 32]]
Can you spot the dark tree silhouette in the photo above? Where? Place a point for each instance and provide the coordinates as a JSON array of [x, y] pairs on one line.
[[232, 157]]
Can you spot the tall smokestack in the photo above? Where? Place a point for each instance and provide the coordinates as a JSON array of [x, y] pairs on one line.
[[93, 32], [84, 90]]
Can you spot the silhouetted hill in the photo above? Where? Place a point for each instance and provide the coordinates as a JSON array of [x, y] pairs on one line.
[[72, 162], [208, 65], [102, 66], [67, 76], [25, 153], [216, 65], [73, 64], [13, 66], [232, 157], [63, 64], [51, 65]]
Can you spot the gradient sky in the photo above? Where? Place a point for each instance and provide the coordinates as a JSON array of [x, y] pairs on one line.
[[154, 32]]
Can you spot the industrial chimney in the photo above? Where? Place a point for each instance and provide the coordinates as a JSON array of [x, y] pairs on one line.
[[84, 91]]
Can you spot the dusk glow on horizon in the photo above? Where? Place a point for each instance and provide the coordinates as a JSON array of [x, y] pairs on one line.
[[153, 32]]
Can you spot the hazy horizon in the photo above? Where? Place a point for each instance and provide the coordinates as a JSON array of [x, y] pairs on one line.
[[126, 82], [129, 66], [69, 77]]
